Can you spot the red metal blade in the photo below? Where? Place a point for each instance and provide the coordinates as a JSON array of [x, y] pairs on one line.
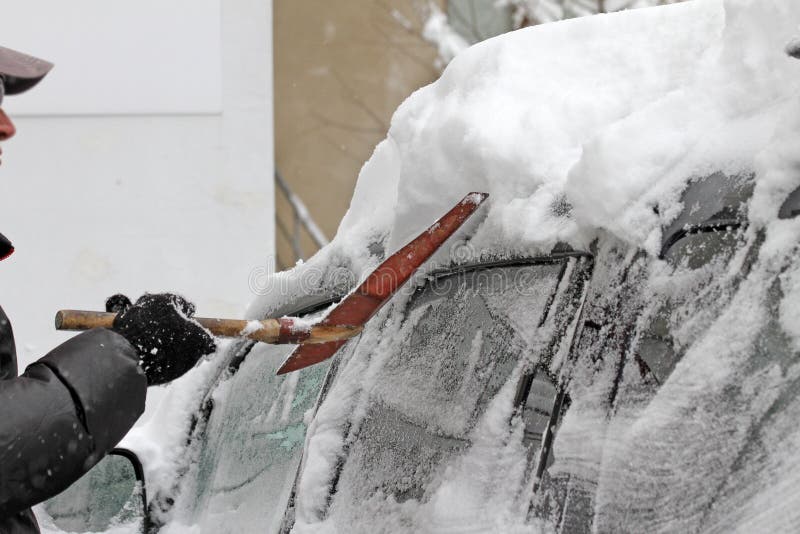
[[307, 355], [360, 305]]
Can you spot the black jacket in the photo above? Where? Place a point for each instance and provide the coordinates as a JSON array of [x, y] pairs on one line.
[[61, 416]]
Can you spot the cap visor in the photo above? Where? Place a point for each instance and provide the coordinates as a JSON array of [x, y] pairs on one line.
[[21, 71]]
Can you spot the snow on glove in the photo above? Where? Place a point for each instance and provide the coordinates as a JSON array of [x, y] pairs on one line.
[[159, 326]]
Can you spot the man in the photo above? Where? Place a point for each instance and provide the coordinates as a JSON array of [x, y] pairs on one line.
[[68, 409]]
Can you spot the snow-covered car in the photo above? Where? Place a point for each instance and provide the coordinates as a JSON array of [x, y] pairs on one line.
[[611, 345]]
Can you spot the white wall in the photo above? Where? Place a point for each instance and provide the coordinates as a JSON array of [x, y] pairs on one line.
[[147, 196], [120, 56]]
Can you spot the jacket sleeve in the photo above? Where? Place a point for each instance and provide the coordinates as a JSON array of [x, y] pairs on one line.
[[61, 416]]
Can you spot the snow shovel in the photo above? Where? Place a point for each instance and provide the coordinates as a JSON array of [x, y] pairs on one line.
[[319, 341]]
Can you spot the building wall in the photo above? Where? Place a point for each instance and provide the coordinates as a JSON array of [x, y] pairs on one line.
[[128, 191], [341, 69]]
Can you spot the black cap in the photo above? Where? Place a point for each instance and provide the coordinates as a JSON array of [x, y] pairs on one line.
[[20, 71]]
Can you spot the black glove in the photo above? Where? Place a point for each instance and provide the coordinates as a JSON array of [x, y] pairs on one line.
[[160, 328]]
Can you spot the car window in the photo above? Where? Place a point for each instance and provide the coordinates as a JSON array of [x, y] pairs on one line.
[[250, 447], [467, 331], [109, 497], [698, 246], [699, 285], [702, 246], [716, 201], [791, 206]]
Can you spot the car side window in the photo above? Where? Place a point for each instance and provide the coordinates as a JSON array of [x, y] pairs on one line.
[[698, 248], [699, 261], [704, 246]]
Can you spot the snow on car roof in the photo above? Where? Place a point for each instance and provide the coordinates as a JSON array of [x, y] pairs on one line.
[[579, 126], [612, 113]]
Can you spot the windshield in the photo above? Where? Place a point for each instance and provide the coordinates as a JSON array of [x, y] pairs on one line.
[[250, 449], [466, 340]]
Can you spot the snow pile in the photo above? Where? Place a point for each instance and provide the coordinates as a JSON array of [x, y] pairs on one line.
[[581, 126], [584, 128], [609, 114]]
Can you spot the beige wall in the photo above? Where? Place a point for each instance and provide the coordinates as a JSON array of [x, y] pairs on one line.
[[341, 69]]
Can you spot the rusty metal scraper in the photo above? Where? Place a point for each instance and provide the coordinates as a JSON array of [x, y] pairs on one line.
[[360, 305]]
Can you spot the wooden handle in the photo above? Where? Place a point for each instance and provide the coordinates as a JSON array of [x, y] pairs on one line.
[[283, 330]]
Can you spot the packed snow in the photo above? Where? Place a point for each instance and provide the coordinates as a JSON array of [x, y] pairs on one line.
[[583, 131]]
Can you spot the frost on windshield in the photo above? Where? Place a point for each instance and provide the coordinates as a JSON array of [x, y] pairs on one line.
[[248, 453], [106, 499], [426, 400]]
